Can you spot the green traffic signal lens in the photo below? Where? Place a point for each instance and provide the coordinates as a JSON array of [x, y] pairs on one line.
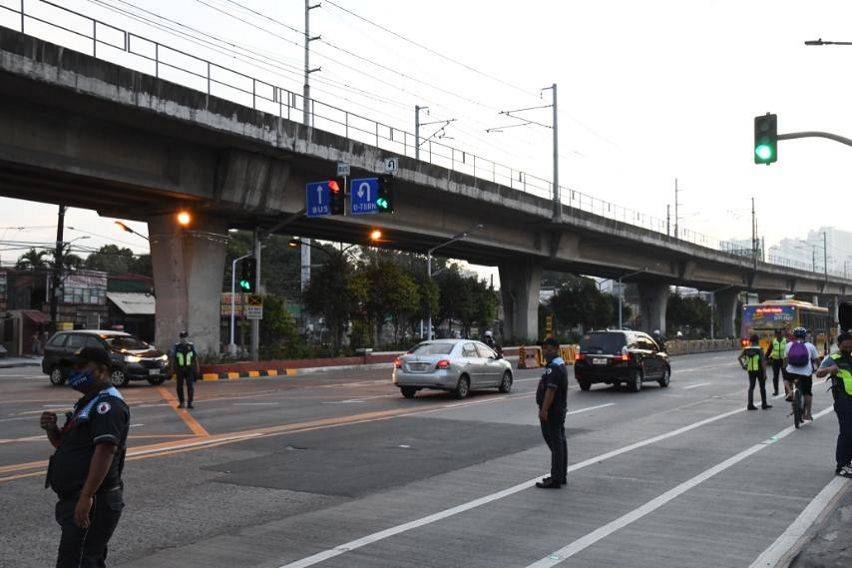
[[763, 152], [382, 203]]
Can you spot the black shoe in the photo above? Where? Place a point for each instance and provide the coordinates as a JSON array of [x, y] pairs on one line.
[[190, 405], [775, 393], [751, 407], [180, 405], [766, 406], [548, 483], [563, 482]]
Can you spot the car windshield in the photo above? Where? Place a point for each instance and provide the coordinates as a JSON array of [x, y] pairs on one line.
[[128, 343], [432, 349], [602, 343]]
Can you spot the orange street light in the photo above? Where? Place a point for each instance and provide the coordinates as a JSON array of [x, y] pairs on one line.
[[375, 235], [184, 218]]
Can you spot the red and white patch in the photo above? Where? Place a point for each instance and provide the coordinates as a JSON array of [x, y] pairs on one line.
[[103, 408]]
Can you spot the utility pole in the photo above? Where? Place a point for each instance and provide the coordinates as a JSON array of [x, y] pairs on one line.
[[825, 256], [255, 324], [417, 109], [753, 235], [306, 94], [677, 211], [305, 251], [668, 219], [557, 205], [56, 277]]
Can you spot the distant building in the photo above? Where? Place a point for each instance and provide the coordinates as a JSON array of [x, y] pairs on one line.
[[809, 253]]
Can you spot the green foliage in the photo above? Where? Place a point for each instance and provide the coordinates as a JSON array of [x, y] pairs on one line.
[[279, 336], [118, 260], [466, 300], [33, 260], [331, 294], [579, 302], [279, 266], [688, 315], [384, 290]]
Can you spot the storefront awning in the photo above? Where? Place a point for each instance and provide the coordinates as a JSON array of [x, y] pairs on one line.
[[133, 303]]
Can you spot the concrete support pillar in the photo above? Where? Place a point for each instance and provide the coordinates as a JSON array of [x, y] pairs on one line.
[[189, 264], [726, 307], [653, 300], [520, 282]]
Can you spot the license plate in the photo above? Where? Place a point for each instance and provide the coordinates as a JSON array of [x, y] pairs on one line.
[[418, 366], [153, 371], [599, 361]]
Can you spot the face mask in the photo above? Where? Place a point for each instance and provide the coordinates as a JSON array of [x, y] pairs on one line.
[[81, 380]]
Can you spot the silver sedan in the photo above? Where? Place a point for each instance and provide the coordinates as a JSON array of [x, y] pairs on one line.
[[455, 365]]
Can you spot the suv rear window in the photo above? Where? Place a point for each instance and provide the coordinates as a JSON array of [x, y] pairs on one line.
[[606, 343], [58, 340], [432, 348]]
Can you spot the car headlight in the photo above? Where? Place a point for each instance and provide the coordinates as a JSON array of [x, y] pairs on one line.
[[163, 357], [132, 358]]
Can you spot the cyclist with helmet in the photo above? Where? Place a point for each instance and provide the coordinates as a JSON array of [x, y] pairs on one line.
[[802, 358]]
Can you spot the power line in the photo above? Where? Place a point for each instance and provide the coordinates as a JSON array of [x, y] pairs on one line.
[[429, 49]]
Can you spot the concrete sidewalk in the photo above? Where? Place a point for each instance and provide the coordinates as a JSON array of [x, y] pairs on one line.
[[12, 362], [831, 546]]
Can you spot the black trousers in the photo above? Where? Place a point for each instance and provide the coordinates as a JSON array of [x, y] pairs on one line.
[[776, 371], [553, 431], [753, 377], [843, 408], [87, 548], [187, 377]]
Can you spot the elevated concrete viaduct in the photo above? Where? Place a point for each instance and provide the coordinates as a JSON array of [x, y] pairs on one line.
[[88, 133]]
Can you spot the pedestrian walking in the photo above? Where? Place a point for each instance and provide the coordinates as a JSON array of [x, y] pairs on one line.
[[187, 369], [552, 399], [36, 344], [752, 359], [839, 366], [85, 470], [776, 355]]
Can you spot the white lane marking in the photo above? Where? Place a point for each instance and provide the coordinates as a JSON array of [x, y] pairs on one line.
[[695, 386], [56, 405], [136, 425], [604, 531], [27, 439], [440, 515], [151, 405], [588, 408], [256, 403], [350, 401], [789, 540]]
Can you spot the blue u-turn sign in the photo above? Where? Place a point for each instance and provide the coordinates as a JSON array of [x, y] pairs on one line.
[[317, 199], [362, 196]]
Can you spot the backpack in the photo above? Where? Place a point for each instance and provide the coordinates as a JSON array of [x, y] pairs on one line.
[[798, 356]]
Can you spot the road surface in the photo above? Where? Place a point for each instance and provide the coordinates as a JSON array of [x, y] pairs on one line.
[[338, 470]]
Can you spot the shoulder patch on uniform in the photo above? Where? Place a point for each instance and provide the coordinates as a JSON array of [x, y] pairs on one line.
[[548, 370], [103, 408]]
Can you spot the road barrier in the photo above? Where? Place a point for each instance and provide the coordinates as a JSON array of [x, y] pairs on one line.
[[569, 353], [687, 346], [530, 357]]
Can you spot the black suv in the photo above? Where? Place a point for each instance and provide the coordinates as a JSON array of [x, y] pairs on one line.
[[615, 357], [132, 358]]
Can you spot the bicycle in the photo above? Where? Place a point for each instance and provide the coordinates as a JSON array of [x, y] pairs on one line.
[[797, 401]]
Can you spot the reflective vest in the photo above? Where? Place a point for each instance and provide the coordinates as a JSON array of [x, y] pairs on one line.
[[184, 355], [844, 372], [752, 358], [779, 348]]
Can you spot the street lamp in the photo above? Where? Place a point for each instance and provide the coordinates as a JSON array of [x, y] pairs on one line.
[[127, 229], [184, 218], [820, 42], [375, 235], [621, 295], [456, 238]]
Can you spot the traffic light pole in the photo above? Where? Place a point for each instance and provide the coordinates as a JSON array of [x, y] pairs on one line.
[[816, 134], [232, 347], [255, 323]]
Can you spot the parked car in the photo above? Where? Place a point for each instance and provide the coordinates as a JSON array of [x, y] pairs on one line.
[[616, 357], [455, 365], [132, 359]]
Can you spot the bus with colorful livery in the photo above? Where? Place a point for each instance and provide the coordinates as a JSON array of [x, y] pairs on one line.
[[764, 318]]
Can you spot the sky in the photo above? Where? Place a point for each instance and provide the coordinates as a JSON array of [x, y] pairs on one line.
[[647, 92]]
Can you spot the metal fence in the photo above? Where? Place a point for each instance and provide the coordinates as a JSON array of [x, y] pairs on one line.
[[55, 23]]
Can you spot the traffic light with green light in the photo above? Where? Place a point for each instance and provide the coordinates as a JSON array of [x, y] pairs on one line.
[[248, 275], [384, 195], [766, 139]]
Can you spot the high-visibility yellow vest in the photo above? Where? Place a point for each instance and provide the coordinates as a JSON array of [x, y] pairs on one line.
[[752, 358], [184, 360], [779, 348], [844, 371]]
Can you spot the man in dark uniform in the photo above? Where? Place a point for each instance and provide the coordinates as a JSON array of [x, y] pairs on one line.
[[187, 368], [552, 399], [839, 366], [85, 471]]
